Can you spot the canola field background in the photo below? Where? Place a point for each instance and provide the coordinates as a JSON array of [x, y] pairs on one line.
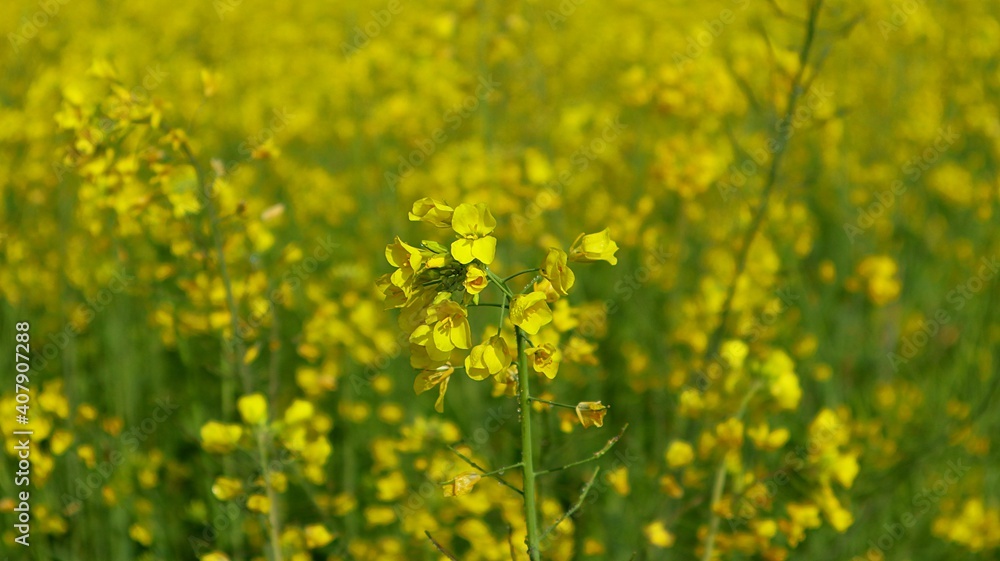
[[801, 330]]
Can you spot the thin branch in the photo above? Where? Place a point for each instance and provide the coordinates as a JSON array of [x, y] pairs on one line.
[[491, 473], [567, 406], [510, 543], [501, 284], [758, 218], [720, 481], [524, 272], [490, 305], [483, 471], [575, 507], [592, 457], [440, 547]]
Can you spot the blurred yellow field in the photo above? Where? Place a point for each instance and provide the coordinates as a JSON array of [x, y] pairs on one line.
[[406, 280]]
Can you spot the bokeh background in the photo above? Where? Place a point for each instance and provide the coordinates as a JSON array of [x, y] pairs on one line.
[[859, 232]]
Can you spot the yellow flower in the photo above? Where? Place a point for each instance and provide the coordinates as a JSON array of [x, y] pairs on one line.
[[530, 312], [658, 535], [768, 440], [300, 410], [589, 248], [559, 275], [141, 534], [429, 378], [730, 433], [545, 359], [227, 488], [220, 438], [505, 383], [404, 256], [214, 556], [259, 503], [461, 485], [253, 409], [845, 469], [591, 413], [473, 224], [432, 211], [450, 327], [317, 536], [487, 358], [679, 454], [475, 279]]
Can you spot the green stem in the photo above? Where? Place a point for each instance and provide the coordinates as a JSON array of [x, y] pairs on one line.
[[502, 310], [720, 481], [527, 455], [272, 497], [553, 403], [489, 304], [524, 272]]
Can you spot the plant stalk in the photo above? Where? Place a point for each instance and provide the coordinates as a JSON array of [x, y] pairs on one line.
[[527, 449]]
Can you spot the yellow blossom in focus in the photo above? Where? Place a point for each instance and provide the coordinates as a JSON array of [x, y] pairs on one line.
[[473, 224], [545, 359], [488, 358], [530, 312], [556, 271], [589, 248], [432, 211], [429, 378], [475, 279]]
